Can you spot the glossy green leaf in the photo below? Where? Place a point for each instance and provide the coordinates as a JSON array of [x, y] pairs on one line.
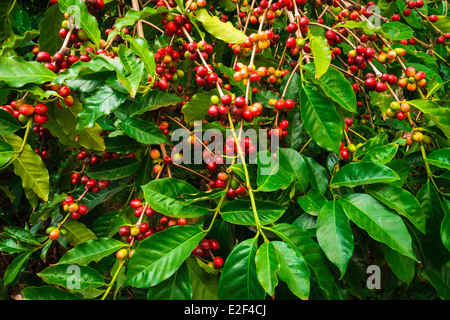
[[240, 212], [333, 85], [381, 155], [445, 225], [403, 267], [312, 201], [267, 266], [113, 169], [204, 285], [320, 50], [67, 119], [15, 267], [238, 280], [274, 172], [63, 275], [163, 196], [380, 222], [47, 293], [140, 47], [298, 166], [16, 72], [77, 232], [49, 27], [377, 141], [82, 18], [143, 131], [6, 153], [29, 167], [21, 234], [221, 30], [320, 119], [440, 158], [362, 173], [402, 201], [91, 250], [103, 101], [334, 235], [159, 256], [150, 101], [8, 124], [177, 287], [439, 279], [300, 240], [439, 114]]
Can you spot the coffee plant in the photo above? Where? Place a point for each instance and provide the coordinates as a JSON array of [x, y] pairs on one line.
[[225, 149]]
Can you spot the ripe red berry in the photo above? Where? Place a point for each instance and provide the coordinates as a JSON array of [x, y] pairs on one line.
[[218, 262], [135, 203]]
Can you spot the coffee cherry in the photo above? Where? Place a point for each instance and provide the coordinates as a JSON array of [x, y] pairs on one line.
[[135, 203], [121, 254], [54, 234], [124, 231], [218, 262]]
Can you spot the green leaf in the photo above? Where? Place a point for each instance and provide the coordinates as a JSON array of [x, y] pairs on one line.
[[204, 285], [29, 167], [293, 270], [239, 280], [312, 201], [13, 270], [91, 250], [113, 169], [77, 232], [16, 41], [445, 225], [220, 30], [273, 173], [67, 119], [240, 212], [140, 47], [440, 158], [402, 201], [142, 131], [82, 18], [197, 107], [15, 72], [333, 85], [440, 115], [334, 235], [320, 119], [97, 65], [381, 223], [47, 293], [300, 240], [150, 101], [403, 267], [6, 153], [21, 234], [102, 102], [439, 280], [362, 173], [372, 143], [381, 155], [177, 287], [8, 123], [443, 23], [159, 256], [267, 267], [298, 166], [163, 196], [62, 275], [320, 50], [49, 28]]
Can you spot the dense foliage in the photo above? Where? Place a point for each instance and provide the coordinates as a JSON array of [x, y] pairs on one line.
[[128, 168]]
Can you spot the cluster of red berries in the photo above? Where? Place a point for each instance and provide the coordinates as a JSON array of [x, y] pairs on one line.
[[398, 110], [411, 5], [174, 24], [76, 210], [193, 49], [413, 79], [358, 57], [22, 111], [380, 84], [205, 77], [204, 249]]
